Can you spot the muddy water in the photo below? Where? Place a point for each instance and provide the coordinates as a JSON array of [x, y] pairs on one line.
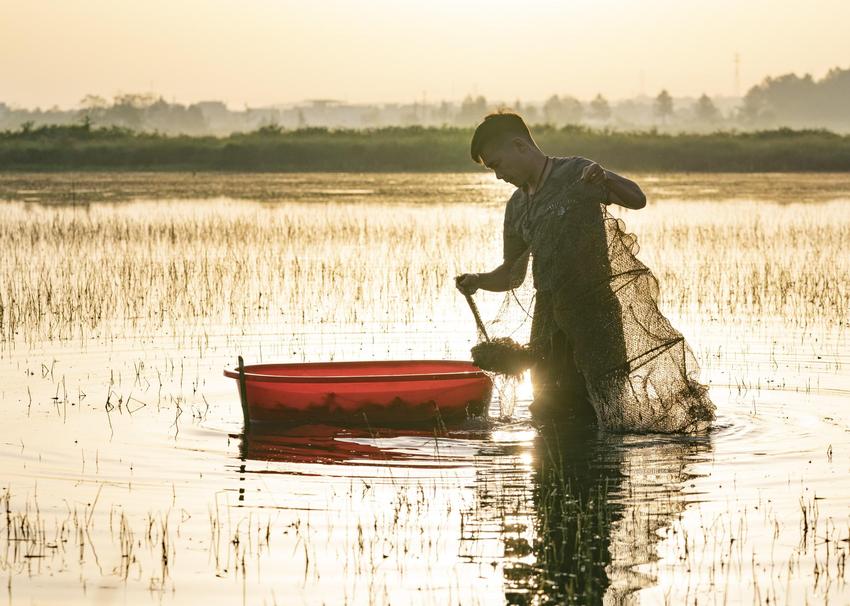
[[126, 477]]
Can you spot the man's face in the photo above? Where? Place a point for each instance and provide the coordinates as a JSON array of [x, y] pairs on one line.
[[505, 158]]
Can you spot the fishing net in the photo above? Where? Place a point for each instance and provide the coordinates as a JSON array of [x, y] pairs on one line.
[[590, 289]]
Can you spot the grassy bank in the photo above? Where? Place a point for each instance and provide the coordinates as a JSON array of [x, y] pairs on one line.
[[81, 147]]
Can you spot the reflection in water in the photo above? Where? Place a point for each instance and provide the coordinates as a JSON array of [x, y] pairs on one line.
[[581, 516], [575, 511], [326, 444], [305, 444]]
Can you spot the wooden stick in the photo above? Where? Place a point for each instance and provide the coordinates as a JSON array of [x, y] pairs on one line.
[[243, 396], [475, 313]]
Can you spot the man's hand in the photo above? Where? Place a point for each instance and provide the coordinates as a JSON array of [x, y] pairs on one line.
[[594, 174], [618, 190], [468, 283]]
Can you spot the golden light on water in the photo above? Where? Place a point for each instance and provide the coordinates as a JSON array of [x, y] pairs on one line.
[[128, 473]]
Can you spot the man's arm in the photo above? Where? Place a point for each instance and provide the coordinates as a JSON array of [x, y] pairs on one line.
[[622, 191], [510, 274]]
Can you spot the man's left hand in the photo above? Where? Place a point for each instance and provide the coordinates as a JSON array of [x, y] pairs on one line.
[[594, 174]]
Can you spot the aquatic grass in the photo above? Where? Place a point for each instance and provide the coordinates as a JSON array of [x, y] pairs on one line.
[[68, 274], [512, 521], [71, 273], [750, 259]]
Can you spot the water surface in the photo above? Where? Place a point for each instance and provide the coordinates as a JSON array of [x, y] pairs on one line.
[[127, 477]]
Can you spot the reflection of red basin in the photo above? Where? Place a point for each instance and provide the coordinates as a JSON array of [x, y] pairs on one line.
[[325, 444], [406, 392]]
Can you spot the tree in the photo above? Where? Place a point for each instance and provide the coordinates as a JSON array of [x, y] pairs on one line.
[[835, 95], [599, 108], [663, 106], [528, 112], [799, 101], [705, 111], [93, 102], [562, 110], [444, 112], [93, 108], [754, 107], [472, 110], [531, 115]]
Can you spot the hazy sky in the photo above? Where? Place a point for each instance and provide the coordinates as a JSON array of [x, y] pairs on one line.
[[272, 51]]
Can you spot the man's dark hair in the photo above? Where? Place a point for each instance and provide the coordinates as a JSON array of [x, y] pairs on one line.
[[500, 125]]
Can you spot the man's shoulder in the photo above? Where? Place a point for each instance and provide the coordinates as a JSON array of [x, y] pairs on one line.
[[568, 166]]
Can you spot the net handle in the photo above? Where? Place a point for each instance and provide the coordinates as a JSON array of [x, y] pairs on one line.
[[474, 308]]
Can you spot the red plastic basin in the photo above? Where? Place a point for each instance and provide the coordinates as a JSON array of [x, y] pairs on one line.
[[409, 392]]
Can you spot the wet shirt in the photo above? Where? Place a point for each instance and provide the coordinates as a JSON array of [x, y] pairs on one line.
[[561, 197]]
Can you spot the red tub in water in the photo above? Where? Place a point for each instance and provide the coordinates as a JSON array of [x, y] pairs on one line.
[[408, 392]]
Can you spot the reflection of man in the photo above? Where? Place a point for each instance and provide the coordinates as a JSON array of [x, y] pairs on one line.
[[503, 144], [596, 514]]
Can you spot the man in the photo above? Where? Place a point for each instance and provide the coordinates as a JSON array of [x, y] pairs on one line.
[[550, 192]]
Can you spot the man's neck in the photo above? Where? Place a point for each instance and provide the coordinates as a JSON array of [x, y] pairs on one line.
[[537, 176]]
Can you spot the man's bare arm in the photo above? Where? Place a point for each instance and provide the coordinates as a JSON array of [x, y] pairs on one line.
[[508, 275], [497, 280]]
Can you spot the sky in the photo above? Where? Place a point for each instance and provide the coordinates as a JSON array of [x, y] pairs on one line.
[[263, 52]]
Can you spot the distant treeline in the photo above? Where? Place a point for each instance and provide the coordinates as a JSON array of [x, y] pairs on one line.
[[415, 148], [788, 100]]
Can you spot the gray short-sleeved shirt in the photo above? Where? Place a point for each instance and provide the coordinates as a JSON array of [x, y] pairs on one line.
[[524, 214]]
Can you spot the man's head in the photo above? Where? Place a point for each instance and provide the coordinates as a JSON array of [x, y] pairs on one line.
[[503, 144]]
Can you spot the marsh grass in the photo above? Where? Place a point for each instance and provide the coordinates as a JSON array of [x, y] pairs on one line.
[[71, 272], [524, 521]]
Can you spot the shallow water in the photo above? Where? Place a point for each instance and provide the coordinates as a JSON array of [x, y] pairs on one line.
[[126, 477]]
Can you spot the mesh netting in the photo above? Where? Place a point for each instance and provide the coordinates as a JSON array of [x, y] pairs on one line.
[[639, 373]]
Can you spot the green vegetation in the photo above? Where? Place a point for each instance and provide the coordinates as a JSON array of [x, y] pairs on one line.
[[414, 148]]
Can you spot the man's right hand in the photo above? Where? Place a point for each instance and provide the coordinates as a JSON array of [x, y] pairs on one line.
[[468, 283]]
